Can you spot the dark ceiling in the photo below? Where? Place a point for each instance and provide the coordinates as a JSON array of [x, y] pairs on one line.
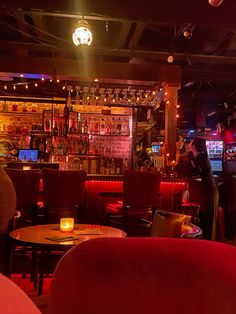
[[130, 32]]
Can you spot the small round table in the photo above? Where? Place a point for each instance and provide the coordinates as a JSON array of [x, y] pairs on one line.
[[50, 234], [43, 238]]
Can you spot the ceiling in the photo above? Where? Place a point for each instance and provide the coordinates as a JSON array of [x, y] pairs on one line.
[[35, 38]]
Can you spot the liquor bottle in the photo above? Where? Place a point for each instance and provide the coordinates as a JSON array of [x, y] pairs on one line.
[[85, 147], [73, 128], [118, 169], [85, 127], [60, 147], [65, 129], [118, 127], [80, 146], [112, 167], [48, 146], [47, 124], [55, 130], [102, 127], [60, 131], [113, 126], [76, 147], [67, 107]]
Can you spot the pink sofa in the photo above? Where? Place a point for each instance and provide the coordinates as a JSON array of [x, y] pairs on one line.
[[145, 276]]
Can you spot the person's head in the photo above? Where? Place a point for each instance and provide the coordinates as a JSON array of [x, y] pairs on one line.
[[198, 146], [188, 145]]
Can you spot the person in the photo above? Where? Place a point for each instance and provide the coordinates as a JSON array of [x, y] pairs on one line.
[[204, 189], [7, 212], [184, 165]]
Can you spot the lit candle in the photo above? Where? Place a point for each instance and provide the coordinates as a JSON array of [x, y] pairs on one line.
[[66, 224]]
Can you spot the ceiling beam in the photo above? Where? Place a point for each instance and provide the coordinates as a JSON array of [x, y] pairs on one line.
[[116, 52], [90, 69], [137, 33]]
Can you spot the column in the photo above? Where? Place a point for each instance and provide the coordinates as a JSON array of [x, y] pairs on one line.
[[171, 120]]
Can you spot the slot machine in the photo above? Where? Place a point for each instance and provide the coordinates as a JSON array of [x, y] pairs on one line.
[[215, 150]]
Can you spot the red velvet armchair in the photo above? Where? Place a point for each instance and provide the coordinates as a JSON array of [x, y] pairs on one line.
[[145, 275]]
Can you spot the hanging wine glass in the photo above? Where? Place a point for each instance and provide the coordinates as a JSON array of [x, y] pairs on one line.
[[93, 100], [117, 99]]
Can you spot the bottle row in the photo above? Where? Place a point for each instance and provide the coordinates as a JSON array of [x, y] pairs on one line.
[[97, 125]]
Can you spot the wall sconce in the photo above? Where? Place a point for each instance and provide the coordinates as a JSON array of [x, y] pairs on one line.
[[82, 35], [67, 224]]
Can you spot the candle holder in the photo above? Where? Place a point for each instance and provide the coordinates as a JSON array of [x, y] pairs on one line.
[[67, 224]]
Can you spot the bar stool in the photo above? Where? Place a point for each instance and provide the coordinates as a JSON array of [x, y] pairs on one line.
[[140, 200], [63, 194], [26, 183]]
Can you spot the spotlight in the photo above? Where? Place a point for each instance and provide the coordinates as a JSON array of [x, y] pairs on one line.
[[215, 3], [82, 35]]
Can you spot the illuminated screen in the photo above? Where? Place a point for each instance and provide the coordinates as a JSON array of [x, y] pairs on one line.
[[215, 149], [156, 148], [28, 154], [216, 165]]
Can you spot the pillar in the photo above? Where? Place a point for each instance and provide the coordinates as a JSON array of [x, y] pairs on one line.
[[171, 120]]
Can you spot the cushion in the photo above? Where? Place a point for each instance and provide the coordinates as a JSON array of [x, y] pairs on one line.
[[168, 224]]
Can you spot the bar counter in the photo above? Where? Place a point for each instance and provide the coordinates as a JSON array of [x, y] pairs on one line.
[[103, 189]]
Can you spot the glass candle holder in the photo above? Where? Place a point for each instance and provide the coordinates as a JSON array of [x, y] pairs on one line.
[[67, 224]]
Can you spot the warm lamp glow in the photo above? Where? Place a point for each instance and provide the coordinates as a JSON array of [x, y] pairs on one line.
[[82, 34], [67, 224], [215, 3]]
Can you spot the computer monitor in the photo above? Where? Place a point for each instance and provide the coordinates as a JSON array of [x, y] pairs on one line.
[[156, 149], [216, 166], [28, 154], [215, 148]]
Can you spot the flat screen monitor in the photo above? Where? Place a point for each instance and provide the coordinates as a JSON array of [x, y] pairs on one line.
[[215, 148], [216, 166], [28, 154], [156, 149]]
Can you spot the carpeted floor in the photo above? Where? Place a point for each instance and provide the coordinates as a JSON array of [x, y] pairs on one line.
[[27, 286]]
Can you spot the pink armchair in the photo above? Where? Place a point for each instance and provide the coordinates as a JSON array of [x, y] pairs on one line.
[[145, 275]]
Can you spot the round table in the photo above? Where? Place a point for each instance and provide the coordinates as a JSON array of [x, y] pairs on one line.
[[45, 238], [45, 235]]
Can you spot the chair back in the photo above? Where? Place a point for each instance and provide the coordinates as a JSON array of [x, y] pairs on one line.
[[63, 191], [141, 189], [145, 275], [14, 300], [26, 183]]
